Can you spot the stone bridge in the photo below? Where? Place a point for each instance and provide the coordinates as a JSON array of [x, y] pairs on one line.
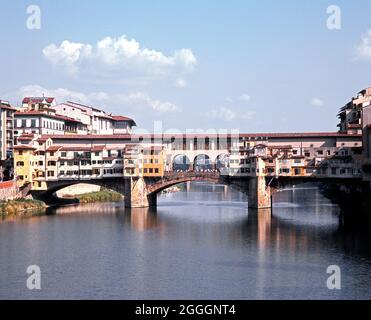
[[141, 192]]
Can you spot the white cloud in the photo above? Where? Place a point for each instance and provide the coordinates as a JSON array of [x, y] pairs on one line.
[[143, 99], [99, 99], [229, 114], [118, 58], [316, 102], [245, 97], [180, 83], [363, 51]]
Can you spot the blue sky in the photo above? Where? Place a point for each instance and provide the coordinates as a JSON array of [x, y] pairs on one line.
[[259, 66]]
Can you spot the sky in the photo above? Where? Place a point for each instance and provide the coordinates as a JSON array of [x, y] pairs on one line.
[[252, 66]]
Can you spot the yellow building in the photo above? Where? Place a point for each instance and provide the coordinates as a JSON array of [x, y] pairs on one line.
[[24, 164], [153, 161]]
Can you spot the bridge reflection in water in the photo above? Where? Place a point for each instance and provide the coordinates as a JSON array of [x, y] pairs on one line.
[[205, 238]]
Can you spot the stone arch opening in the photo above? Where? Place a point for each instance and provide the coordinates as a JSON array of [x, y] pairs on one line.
[[50, 195], [202, 162], [181, 163], [222, 162]]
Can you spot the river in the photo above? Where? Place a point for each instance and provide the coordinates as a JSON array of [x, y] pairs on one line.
[[203, 243]]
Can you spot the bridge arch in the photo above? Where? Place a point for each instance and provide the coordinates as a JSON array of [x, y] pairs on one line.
[[202, 162], [49, 195], [222, 161], [181, 162], [179, 178]]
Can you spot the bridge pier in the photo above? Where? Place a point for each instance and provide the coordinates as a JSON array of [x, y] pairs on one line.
[[137, 195], [259, 194]]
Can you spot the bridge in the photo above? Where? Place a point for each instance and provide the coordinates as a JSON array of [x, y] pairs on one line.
[[138, 168], [141, 192]]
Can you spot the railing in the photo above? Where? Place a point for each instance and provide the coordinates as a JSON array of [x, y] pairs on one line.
[[171, 175]]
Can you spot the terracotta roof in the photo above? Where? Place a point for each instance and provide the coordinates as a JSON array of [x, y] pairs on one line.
[[26, 134], [37, 99], [7, 107], [88, 137], [122, 118], [54, 148], [97, 148], [23, 147], [67, 148], [25, 138]]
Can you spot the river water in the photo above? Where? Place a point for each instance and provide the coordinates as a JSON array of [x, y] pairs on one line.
[[203, 243]]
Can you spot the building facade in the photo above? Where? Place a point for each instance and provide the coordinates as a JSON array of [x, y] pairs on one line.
[[6, 140], [89, 157], [351, 115], [96, 120]]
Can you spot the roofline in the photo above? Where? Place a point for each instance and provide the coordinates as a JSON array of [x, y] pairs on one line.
[[195, 135], [46, 115]]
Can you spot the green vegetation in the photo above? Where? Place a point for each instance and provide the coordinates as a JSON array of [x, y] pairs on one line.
[[100, 196], [21, 206]]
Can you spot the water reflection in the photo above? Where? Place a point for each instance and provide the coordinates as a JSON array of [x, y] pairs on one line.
[[142, 219], [203, 243]]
